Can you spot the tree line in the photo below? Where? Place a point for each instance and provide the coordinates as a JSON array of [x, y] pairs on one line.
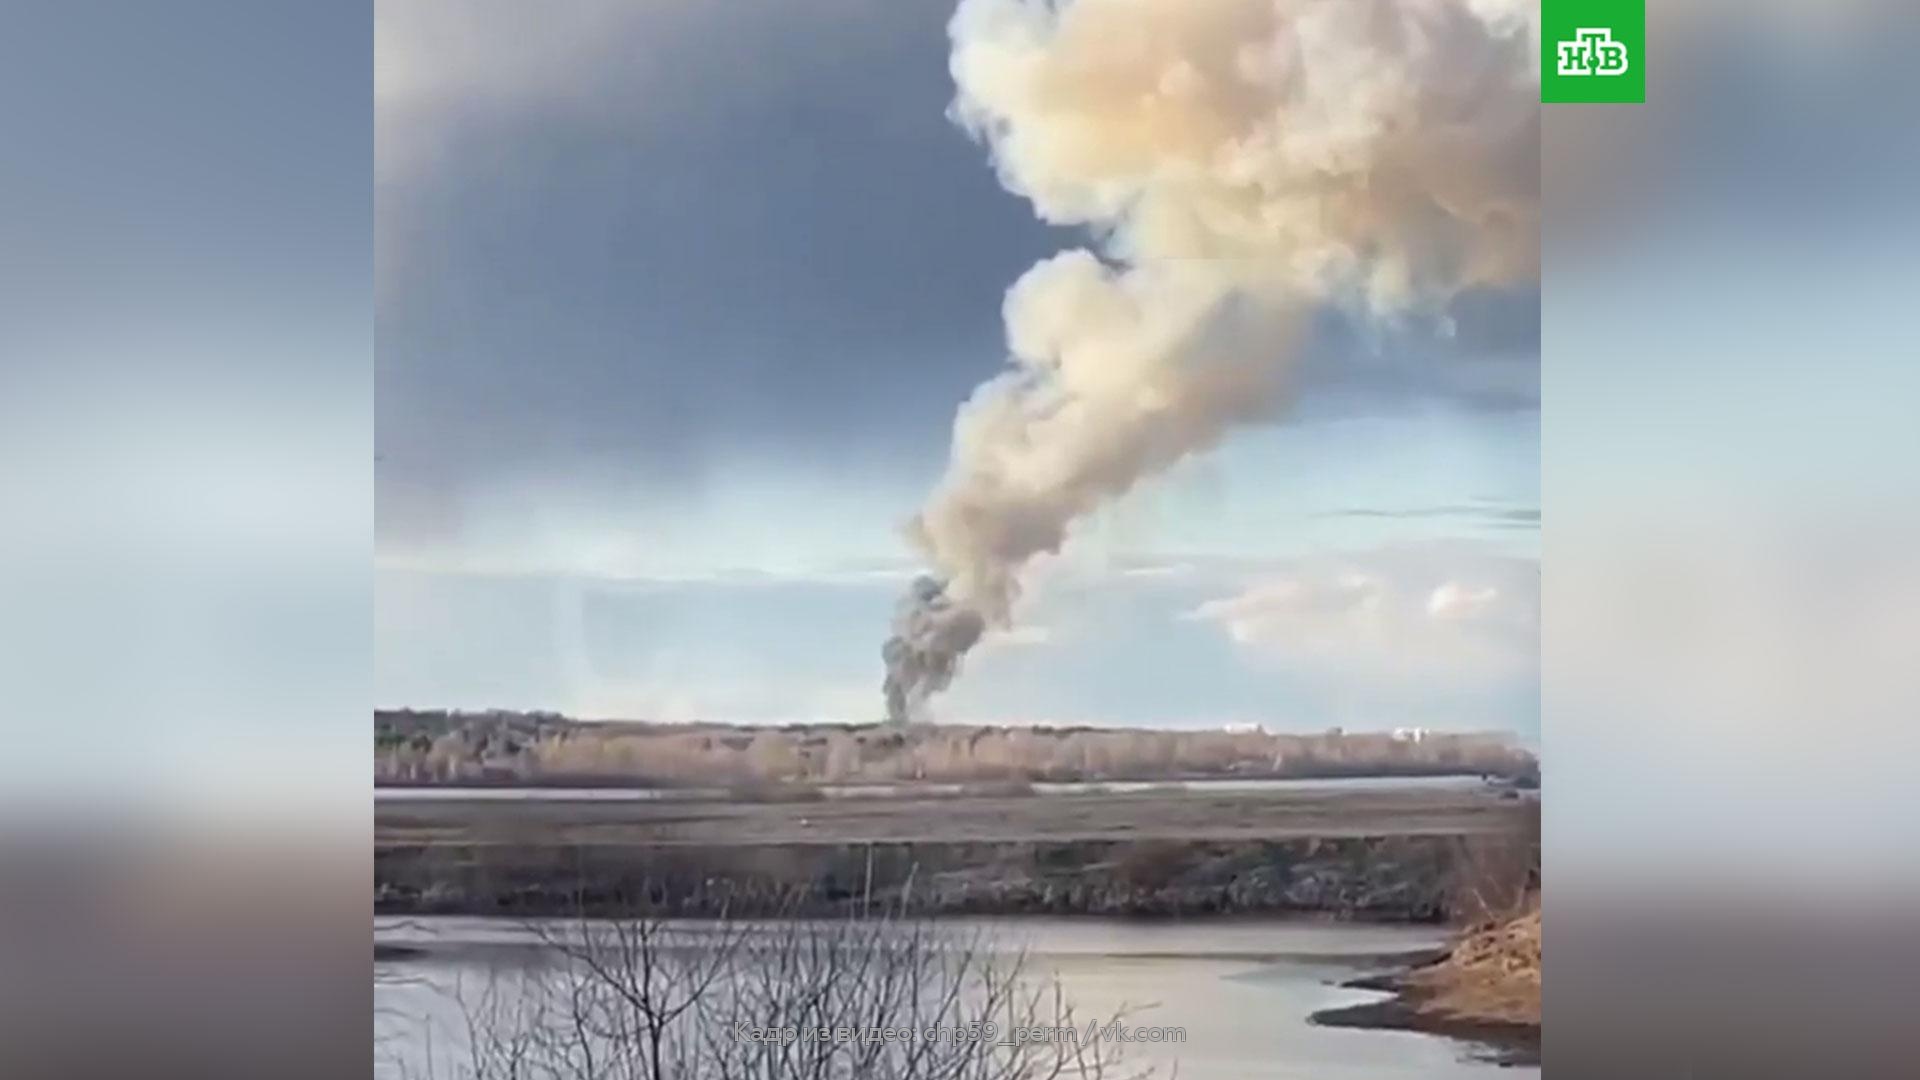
[[497, 747]]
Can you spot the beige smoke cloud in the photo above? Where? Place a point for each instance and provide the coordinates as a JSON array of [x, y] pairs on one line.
[[1311, 144], [1240, 163]]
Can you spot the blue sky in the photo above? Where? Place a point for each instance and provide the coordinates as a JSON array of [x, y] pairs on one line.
[[675, 306]]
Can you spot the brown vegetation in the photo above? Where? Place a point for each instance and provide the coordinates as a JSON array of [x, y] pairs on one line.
[[1491, 976], [414, 747], [1401, 856], [1388, 879], [1486, 987]]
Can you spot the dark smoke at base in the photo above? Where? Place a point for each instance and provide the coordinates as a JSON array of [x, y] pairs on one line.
[[931, 633]]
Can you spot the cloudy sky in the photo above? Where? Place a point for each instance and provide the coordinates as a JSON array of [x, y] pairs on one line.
[[676, 303]]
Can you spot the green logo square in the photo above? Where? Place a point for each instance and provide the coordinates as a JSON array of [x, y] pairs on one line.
[[1593, 51]]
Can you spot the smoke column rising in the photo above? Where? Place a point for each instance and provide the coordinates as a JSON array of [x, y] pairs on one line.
[[1239, 164], [930, 635]]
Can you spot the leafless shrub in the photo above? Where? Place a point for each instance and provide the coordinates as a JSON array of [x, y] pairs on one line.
[[878, 998], [1495, 876]]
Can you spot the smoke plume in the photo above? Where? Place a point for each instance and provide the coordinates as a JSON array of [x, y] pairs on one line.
[[1239, 163], [930, 635]]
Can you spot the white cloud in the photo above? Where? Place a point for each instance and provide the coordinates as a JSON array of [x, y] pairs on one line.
[[1435, 615], [1298, 610], [1158, 570], [1456, 601]]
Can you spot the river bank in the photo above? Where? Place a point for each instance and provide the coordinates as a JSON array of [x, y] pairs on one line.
[[1397, 855], [1485, 988], [1386, 879], [1408, 879]]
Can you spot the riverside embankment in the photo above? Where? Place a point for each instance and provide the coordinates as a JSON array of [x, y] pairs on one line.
[[1369, 851], [1484, 988]]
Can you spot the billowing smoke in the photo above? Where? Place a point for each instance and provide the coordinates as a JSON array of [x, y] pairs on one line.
[[930, 635], [1240, 163]]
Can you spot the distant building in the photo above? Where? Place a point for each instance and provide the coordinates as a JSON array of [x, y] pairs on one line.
[[1244, 729], [1410, 734]]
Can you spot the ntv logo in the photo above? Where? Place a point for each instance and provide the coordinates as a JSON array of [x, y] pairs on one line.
[[1592, 52], [1581, 39]]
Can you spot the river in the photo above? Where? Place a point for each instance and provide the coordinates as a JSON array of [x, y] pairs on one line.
[[1240, 990]]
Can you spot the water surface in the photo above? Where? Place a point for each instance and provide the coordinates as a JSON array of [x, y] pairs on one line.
[[1242, 990]]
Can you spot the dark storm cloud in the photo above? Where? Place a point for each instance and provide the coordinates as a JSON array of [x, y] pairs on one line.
[[1482, 354], [672, 234], [740, 233]]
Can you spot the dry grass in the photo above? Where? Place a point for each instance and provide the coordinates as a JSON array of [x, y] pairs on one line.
[[1491, 976]]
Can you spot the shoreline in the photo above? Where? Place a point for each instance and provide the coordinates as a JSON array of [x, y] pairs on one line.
[[1484, 989], [1411, 1009]]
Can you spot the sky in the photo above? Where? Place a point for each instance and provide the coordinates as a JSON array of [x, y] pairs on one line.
[[675, 303]]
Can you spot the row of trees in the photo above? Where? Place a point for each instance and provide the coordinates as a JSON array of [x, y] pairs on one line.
[[517, 748]]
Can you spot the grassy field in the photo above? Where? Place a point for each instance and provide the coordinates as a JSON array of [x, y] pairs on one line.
[[1171, 815]]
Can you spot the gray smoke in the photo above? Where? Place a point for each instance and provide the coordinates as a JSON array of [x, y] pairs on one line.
[[930, 635], [1240, 163]]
